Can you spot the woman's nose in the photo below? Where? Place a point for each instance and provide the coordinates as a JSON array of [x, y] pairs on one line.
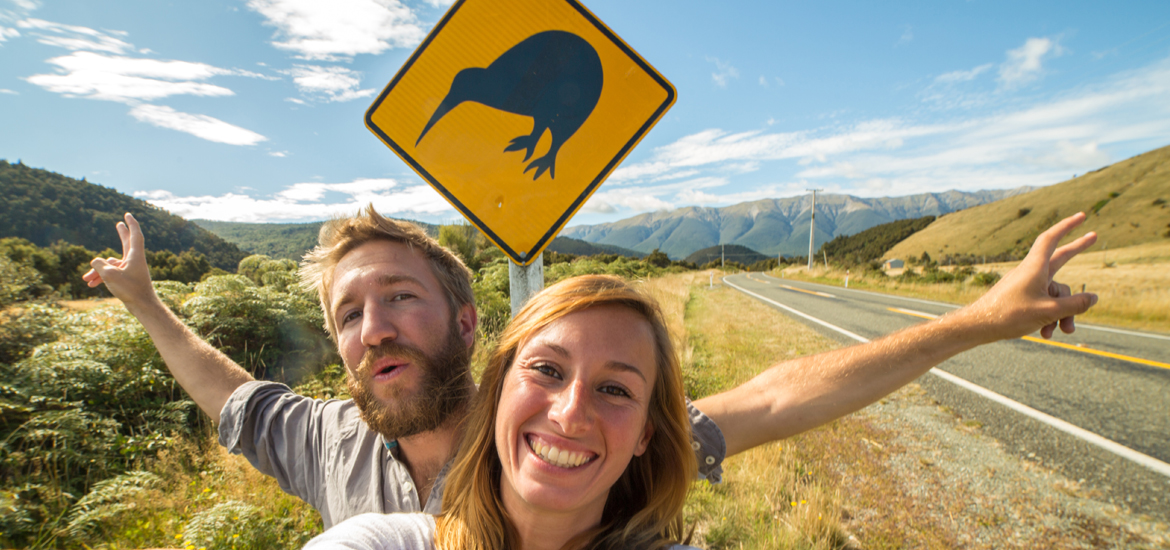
[[573, 409]]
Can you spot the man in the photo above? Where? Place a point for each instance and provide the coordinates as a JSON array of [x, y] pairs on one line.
[[401, 311]]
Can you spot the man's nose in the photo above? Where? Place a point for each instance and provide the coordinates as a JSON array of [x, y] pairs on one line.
[[572, 409], [377, 327]]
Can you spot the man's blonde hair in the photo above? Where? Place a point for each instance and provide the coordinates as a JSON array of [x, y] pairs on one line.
[[339, 236]]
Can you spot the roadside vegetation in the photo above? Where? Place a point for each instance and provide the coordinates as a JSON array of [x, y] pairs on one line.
[[1132, 283]]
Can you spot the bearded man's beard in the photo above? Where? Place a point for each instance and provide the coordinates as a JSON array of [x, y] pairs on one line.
[[444, 388]]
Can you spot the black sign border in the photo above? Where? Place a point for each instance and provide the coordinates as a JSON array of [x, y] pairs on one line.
[[524, 258]]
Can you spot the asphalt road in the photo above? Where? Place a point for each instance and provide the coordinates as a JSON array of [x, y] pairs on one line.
[[1109, 382]]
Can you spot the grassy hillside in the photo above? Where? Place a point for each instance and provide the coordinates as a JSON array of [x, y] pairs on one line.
[[45, 207], [1128, 203]]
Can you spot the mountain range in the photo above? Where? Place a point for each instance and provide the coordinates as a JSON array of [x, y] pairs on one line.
[[774, 226]]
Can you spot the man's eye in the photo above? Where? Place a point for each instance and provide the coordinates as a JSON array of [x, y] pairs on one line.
[[401, 297], [350, 316], [616, 391]]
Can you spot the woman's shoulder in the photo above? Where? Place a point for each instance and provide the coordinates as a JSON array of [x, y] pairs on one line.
[[379, 532]]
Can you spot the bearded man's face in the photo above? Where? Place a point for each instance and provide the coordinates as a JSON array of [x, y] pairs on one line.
[[444, 387], [405, 350]]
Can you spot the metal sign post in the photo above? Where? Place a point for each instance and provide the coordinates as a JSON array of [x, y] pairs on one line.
[[524, 281]]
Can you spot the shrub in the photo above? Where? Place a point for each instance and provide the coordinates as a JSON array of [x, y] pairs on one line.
[[1023, 212], [986, 278]]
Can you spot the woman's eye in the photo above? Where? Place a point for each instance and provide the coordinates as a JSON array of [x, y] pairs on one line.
[[547, 370], [616, 391]]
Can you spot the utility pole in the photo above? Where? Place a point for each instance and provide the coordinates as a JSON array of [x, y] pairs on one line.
[[812, 226], [722, 255]]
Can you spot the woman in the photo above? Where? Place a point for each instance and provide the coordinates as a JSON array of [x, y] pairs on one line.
[[578, 437]]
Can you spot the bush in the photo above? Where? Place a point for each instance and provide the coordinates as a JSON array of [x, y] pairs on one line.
[[986, 278]]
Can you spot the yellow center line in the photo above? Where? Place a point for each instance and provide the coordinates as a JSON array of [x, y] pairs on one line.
[[814, 293], [1098, 352], [1072, 347]]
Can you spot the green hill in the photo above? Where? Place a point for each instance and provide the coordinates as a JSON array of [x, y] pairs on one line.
[[288, 241], [870, 244], [578, 247], [1127, 205], [292, 240], [45, 207], [731, 252]]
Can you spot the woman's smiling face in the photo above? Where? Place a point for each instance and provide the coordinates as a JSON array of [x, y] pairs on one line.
[[573, 411]]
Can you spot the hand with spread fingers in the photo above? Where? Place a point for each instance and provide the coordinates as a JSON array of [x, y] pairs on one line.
[[208, 375], [127, 278], [1027, 298]]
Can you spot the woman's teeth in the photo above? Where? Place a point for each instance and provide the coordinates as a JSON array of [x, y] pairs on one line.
[[557, 457]]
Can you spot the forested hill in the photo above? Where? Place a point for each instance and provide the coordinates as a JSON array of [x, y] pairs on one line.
[[292, 240], [45, 207]]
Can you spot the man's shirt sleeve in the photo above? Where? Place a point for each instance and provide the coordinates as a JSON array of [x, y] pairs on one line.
[[283, 435], [707, 441]]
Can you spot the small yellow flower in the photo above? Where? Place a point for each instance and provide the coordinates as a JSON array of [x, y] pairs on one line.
[[178, 536], [802, 502], [793, 503], [207, 489], [236, 536]]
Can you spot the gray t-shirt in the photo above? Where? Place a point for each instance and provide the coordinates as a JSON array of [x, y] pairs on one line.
[[323, 453], [388, 532]]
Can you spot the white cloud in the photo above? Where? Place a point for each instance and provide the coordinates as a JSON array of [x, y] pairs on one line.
[[1034, 144], [278, 154], [328, 83], [303, 201], [6, 33], [72, 37], [962, 76], [6, 91], [1025, 64], [339, 28], [907, 36], [725, 72], [201, 126], [126, 79]]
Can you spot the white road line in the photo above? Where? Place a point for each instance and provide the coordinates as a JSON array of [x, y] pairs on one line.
[[953, 306], [1075, 431]]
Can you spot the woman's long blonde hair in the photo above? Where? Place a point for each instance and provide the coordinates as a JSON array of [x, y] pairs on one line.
[[644, 508]]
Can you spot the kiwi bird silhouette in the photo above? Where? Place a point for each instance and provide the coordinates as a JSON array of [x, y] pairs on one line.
[[554, 77]]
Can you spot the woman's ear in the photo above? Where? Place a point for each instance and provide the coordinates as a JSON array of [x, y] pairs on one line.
[[644, 443]]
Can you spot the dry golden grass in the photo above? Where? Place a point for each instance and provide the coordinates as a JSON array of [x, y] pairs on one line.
[[1132, 284], [88, 304]]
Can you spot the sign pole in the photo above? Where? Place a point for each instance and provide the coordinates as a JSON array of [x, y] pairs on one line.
[[524, 281]]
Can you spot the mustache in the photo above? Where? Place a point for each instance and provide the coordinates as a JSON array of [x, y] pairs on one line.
[[393, 349]]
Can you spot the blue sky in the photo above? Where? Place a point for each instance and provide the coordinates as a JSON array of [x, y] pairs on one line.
[[251, 110]]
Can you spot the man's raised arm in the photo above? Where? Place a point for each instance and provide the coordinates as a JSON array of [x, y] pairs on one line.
[[207, 375], [804, 393]]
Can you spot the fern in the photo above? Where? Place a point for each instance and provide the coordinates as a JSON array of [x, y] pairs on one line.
[[107, 499]]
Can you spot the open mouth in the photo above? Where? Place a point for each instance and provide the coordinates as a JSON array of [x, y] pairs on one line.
[[559, 457], [387, 370]]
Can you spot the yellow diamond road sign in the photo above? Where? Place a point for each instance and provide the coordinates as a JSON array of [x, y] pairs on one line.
[[516, 111]]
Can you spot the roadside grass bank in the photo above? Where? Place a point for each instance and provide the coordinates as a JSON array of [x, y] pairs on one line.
[[902, 473], [1133, 284]]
